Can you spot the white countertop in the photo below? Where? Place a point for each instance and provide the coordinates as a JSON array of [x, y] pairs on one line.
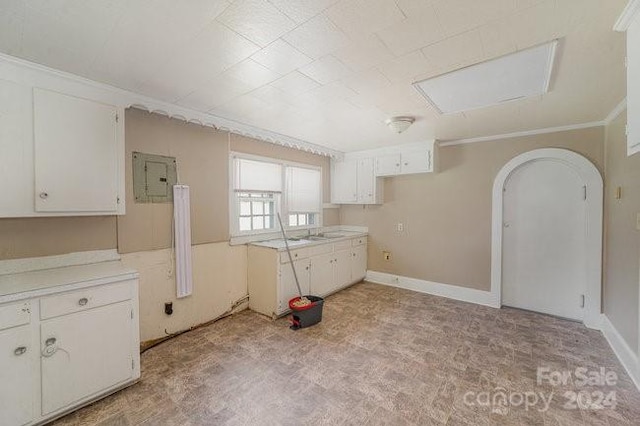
[[39, 283], [279, 244]]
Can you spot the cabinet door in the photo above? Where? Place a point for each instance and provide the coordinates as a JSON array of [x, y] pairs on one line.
[[16, 377], [633, 87], [388, 165], [85, 353], [321, 275], [76, 154], [342, 268], [359, 263], [415, 161], [344, 177], [366, 181], [287, 288]]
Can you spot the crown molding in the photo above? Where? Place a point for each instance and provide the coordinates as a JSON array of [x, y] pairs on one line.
[[619, 109], [626, 17], [523, 133], [16, 67]]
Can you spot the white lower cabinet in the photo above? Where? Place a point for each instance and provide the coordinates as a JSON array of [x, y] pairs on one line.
[[16, 376], [359, 262], [287, 284], [321, 279], [322, 269], [61, 350], [89, 353]]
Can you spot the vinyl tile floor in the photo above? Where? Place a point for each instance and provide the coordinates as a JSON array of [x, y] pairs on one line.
[[380, 356]]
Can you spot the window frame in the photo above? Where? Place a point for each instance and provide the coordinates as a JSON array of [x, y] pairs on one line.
[[280, 204]]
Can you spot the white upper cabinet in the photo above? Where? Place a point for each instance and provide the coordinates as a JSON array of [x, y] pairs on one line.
[[344, 182], [629, 21], [404, 159], [76, 154], [354, 182], [62, 145]]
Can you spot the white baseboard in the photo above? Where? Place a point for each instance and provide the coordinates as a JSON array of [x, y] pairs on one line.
[[463, 294], [627, 356]]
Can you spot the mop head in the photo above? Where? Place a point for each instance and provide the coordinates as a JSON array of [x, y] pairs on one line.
[[301, 302]]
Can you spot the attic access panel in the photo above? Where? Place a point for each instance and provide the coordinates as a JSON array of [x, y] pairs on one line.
[[512, 77], [153, 178]]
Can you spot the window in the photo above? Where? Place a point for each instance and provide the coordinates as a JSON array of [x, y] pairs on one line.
[[263, 187], [257, 211]]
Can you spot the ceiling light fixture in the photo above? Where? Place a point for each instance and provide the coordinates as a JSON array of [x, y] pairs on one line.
[[399, 124]]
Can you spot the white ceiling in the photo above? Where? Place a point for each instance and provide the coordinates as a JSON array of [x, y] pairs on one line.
[[327, 71]]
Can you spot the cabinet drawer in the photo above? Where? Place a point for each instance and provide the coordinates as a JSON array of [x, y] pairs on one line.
[[359, 241], [14, 315], [320, 249], [295, 255], [342, 245], [81, 300]]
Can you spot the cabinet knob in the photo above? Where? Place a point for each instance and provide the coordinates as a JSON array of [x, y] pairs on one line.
[[406, 164], [397, 164], [307, 268], [21, 350], [50, 341], [44, 195], [295, 255], [83, 301]]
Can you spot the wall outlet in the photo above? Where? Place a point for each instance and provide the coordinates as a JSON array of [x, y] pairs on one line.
[[386, 255], [400, 227], [168, 308]]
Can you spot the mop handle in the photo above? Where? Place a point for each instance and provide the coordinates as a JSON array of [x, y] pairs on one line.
[[286, 245]]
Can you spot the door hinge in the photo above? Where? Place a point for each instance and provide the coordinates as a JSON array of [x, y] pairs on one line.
[[132, 314], [582, 300], [133, 365], [584, 192], [117, 118]]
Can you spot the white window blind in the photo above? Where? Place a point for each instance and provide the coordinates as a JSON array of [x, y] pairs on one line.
[[253, 175], [303, 190]]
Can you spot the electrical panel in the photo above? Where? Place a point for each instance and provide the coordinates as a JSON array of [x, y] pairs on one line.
[[153, 178]]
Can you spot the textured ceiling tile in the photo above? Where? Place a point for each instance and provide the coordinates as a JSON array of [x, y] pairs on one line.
[[258, 20], [317, 37], [302, 10], [364, 54], [281, 57], [494, 41], [358, 18], [295, 83], [457, 51], [457, 16], [214, 93], [407, 68], [252, 73], [413, 33], [326, 70], [368, 83], [532, 26]]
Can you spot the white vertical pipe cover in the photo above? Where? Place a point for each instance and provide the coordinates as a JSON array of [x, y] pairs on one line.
[[182, 229]]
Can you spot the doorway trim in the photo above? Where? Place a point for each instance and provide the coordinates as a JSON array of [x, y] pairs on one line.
[[593, 180]]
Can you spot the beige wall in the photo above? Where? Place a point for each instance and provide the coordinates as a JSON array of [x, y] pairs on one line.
[[622, 242], [48, 236], [202, 158], [447, 215]]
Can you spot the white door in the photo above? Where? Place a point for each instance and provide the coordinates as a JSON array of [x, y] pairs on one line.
[[76, 154], [321, 275], [344, 188], [85, 353], [288, 288], [16, 405], [388, 165], [544, 239], [415, 161]]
